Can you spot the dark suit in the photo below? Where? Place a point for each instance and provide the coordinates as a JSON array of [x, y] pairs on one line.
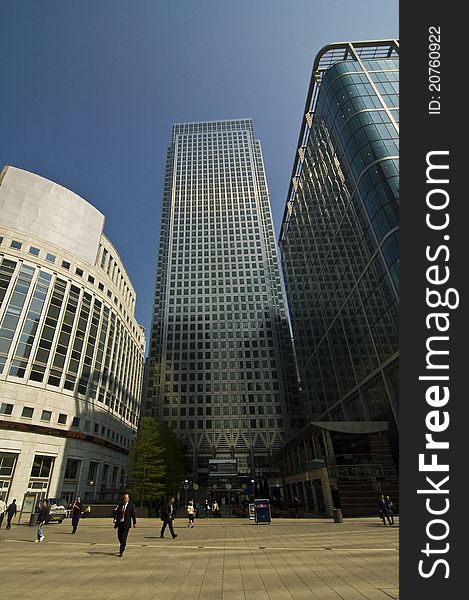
[[383, 511], [11, 512], [167, 517], [124, 520]]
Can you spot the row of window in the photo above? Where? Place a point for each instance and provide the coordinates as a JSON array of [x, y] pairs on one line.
[[257, 409], [82, 423], [110, 265], [226, 424], [65, 331], [65, 264], [209, 126], [42, 469]]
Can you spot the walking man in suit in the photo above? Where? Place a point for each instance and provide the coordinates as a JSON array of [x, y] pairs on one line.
[[125, 516], [11, 512], [167, 516]]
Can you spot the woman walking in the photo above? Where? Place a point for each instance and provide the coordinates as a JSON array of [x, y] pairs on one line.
[[191, 513], [76, 514]]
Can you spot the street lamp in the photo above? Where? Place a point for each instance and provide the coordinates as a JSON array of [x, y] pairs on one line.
[[91, 483]]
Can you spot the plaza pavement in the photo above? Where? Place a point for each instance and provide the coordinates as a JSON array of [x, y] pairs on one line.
[[219, 559]]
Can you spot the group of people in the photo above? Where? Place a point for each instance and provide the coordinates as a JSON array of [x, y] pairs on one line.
[[386, 510], [125, 518], [10, 511], [42, 515], [214, 508]]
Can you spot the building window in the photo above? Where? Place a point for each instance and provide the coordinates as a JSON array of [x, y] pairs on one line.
[[27, 412], [42, 466], [79, 272], [72, 469], [65, 264], [16, 245], [7, 464], [92, 472], [34, 251], [50, 257], [6, 409], [46, 415], [62, 420], [76, 422]]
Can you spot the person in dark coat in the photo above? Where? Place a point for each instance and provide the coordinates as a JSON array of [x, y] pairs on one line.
[[11, 512], [76, 514], [167, 516], [383, 511], [42, 518], [391, 508], [124, 517]]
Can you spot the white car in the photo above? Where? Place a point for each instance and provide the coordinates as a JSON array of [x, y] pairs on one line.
[[58, 510]]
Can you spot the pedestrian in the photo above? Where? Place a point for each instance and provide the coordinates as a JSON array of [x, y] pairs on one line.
[[11, 512], [383, 511], [206, 507], [191, 513], [42, 519], [125, 517], [76, 514], [167, 516], [3, 508], [391, 508], [215, 509]]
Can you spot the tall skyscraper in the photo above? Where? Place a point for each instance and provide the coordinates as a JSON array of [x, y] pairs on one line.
[[340, 237], [221, 370]]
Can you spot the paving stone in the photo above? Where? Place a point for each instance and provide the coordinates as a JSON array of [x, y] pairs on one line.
[[218, 559]]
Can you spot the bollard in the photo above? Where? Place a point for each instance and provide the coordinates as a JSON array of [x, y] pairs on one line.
[[337, 514]]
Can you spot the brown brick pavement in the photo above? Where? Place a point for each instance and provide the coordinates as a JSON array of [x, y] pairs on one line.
[[219, 559]]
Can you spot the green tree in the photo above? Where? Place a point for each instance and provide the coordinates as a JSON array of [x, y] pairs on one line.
[[174, 458], [148, 469]]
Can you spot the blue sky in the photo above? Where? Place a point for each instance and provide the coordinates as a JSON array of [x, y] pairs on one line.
[[89, 90]]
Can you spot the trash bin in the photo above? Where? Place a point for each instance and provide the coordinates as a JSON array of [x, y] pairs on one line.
[[337, 514], [262, 511], [33, 519]]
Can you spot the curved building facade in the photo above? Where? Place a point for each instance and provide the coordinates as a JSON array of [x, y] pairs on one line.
[[340, 255], [71, 351], [340, 235]]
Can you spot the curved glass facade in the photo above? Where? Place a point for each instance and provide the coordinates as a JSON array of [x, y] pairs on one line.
[[340, 239], [71, 351]]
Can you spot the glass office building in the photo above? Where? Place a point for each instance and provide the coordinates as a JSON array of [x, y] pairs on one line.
[[221, 370], [340, 237]]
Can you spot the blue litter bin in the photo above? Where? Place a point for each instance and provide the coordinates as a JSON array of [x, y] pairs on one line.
[[263, 514]]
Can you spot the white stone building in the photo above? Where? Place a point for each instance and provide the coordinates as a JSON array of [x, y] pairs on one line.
[[71, 351]]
